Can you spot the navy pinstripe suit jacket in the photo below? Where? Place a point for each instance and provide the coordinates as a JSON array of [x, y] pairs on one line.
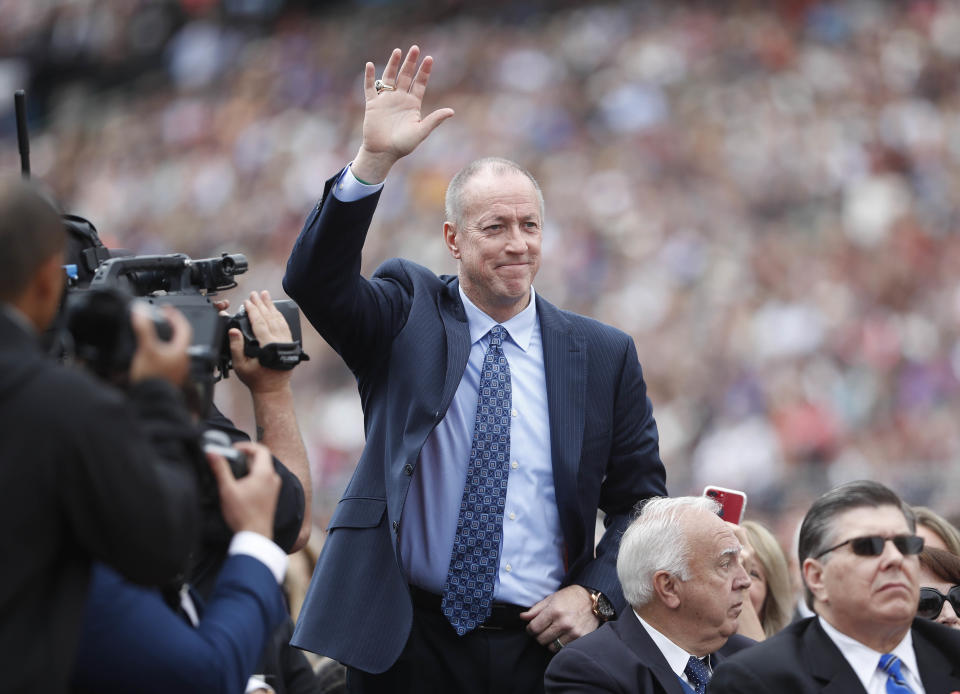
[[404, 335]]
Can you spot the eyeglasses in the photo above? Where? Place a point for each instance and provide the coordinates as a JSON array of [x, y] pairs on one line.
[[931, 601], [872, 545]]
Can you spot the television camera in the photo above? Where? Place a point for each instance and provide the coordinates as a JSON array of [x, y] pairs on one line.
[[94, 322]]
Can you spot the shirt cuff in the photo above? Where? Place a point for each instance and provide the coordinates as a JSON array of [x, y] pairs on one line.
[[348, 188], [262, 549], [255, 684]]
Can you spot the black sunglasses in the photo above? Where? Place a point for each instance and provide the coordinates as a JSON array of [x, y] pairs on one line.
[[931, 601], [872, 545]]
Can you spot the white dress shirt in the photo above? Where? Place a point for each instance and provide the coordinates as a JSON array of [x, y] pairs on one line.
[[676, 657], [864, 661]]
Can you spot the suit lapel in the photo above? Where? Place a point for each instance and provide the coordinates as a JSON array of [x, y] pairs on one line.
[[564, 363], [633, 634], [937, 672], [458, 343], [827, 664]]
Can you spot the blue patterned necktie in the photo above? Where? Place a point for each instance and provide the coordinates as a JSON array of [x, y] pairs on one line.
[[468, 591], [697, 673], [896, 684]]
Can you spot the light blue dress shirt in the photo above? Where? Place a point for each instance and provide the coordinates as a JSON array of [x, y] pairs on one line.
[[531, 558]]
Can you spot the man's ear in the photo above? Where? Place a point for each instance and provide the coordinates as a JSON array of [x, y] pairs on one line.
[[667, 588], [40, 299], [450, 238], [813, 577]]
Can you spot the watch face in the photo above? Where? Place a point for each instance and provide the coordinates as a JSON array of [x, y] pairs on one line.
[[603, 607]]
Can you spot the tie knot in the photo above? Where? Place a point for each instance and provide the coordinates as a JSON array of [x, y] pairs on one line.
[[497, 333], [697, 673]]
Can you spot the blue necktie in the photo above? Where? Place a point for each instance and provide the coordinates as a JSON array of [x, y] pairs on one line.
[[697, 673], [896, 684], [468, 591]]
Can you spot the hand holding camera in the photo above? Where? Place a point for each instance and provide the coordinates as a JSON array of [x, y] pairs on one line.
[[155, 356], [269, 327], [248, 503]]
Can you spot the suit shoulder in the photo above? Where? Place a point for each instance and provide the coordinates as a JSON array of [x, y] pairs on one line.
[[775, 649], [589, 327], [396, 268], [944, 638], [599, 641]]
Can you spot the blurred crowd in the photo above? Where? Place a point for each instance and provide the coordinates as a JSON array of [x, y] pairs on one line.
[[764, 195]]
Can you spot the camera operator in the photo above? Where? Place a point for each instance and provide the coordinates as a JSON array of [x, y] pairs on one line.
[[86, 472], [133, 641], [131, 625], [282, 667], [275, 419]]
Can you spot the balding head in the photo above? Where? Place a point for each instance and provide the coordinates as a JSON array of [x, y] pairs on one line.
[[455, 201]]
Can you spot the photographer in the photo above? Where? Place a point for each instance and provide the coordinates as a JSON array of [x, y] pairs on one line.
[[85, 471], [215, 648], [133, 641], [284, 668], [277, 428]]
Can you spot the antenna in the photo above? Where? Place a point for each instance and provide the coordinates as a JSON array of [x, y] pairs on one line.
[[23, 139]]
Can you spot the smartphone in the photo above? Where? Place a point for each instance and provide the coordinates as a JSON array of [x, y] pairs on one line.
[[732, 502]]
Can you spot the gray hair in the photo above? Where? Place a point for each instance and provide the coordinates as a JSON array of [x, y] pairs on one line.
[[656, 541], [31, 231], [454, 202], [817, 532]]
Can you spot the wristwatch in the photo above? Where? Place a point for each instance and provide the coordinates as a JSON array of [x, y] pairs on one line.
[[602, 607]]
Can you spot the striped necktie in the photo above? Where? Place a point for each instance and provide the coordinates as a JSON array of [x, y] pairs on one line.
[[896, 684]]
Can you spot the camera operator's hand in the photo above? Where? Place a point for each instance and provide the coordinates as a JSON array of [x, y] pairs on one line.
[[268, 326], [156, 358], [250, 502]]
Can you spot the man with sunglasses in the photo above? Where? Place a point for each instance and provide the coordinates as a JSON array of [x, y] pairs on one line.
[[858, 555]]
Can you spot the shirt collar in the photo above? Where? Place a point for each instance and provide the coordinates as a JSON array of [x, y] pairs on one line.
[[520, 327], [676, 657], [863, 659]]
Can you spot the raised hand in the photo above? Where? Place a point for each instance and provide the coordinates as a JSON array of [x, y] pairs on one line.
[[392, 123]]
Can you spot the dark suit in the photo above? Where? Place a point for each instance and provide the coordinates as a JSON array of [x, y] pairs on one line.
[[621, 657], [132, 641], [81, 478], [404, 335], [802, 659]]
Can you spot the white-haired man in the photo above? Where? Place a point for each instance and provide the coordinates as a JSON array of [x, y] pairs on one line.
[[679, 567]]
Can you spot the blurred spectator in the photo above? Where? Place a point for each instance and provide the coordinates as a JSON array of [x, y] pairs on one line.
[[770, 589], [936, 530], [939, 589], [764, 195]]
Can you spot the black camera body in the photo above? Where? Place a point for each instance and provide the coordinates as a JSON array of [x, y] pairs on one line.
[[95, 323]]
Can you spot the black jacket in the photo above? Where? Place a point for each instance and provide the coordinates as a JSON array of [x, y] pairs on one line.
[[85, 473], [802, 659]]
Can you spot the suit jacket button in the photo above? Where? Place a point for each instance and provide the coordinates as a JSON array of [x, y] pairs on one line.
[[396, 526], [408, 469]]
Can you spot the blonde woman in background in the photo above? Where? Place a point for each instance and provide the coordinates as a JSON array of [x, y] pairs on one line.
[[936, 530], [770, 590]]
